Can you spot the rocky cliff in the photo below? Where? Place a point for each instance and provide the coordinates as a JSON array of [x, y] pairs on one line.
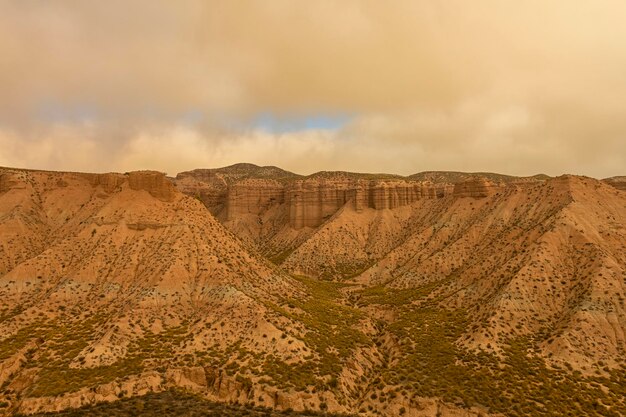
[[252, 196], [476, 187], [5, 182], [153, 182], [217, 187], [109, 182], [308, 201], [617, 182], [314, 200]]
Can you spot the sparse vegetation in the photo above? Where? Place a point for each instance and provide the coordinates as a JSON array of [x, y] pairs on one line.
[[478, 300], [330, 330], [429, 363], [176, 403]]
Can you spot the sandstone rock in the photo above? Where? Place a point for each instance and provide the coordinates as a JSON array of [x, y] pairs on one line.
[[5, 182], [309, 202], [109, 182], [187, 377], [253, 197], [475, 187], [211, 186], [134, 385], [153, 182], [617, 182], [156, 183]]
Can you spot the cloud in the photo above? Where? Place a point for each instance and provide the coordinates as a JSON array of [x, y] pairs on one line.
[[514, 87]]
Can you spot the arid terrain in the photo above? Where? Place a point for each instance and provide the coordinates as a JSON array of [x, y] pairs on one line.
[[435, 294]]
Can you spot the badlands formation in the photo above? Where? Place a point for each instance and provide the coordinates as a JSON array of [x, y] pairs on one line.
[[437, 294]]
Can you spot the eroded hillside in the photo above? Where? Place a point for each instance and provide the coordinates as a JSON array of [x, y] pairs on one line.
[[434, 294]]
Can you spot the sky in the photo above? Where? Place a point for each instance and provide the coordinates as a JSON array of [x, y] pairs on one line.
[[372, 86]]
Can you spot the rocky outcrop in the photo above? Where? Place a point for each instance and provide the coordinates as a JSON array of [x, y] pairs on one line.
[[109, 182], [230, 186], [218, 386], [617, 182], [308, 202], [475, 187], [253, 197], [207, 186], [311, 202], [215, 386], [131, 386], [153, 182], [6, 182], [386, 195]]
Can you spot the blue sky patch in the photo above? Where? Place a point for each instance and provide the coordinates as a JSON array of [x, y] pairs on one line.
[[283, 124]]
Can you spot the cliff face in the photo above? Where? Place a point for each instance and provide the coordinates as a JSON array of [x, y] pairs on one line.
[[311, 202], [476, 187], [276, 211], [109, 182], [307, 202], [252, 197], [153, 182], [5, 183], [617, 182], [224, 191]]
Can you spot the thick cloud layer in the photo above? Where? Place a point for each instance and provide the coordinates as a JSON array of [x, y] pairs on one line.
[[506, 86]]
